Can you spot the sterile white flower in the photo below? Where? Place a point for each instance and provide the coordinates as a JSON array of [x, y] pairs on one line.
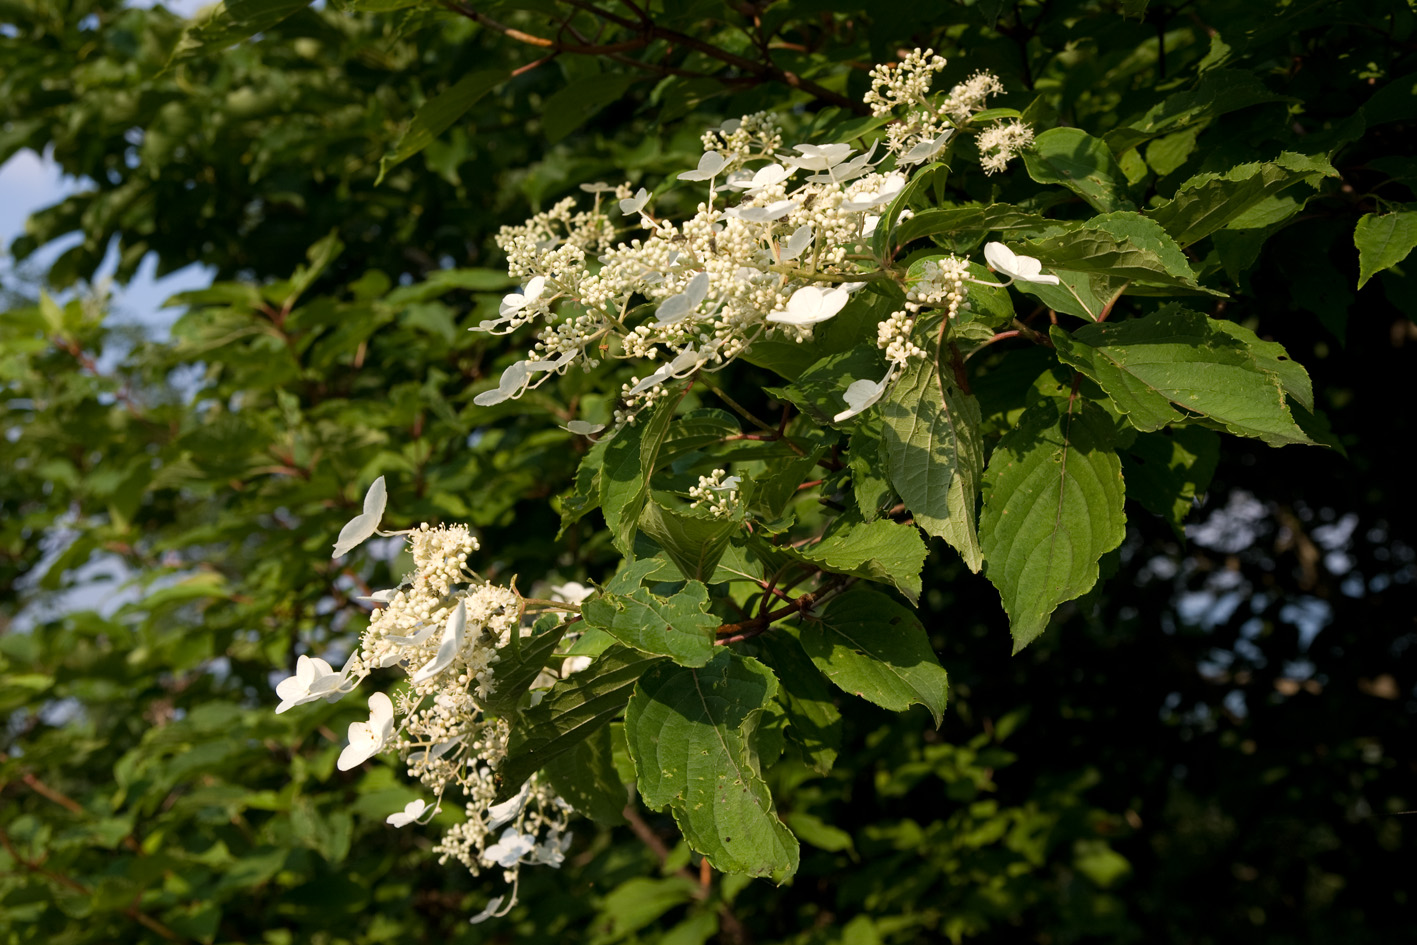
[[861, 395], [810, 305], [583, 427], [633, 205], [454, 632], [508, 851], [412, 811], [1022, 268], [709, 165], [313, 679], [513, 381], [677, 306], [817, 157], [489, 912], [572, 592], [773, 211], [365, 524], [367, 739], [751, 182], [499, 814], [800, 239], [926, 149]]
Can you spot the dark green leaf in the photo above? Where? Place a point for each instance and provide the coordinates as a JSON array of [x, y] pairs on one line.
[[630, 459], [1083, 164], [677, 627], [437, 115], [1166, 471], [585, 777], [1383, 241]]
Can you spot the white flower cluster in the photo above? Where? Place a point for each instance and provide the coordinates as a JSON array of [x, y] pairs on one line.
[[942, 282], [443, 625], [778, 245], [717, 492]]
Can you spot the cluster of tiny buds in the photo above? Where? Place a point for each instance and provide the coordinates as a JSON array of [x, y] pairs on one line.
[[716, 492], [942, 281], [905, 83], [893, 337]]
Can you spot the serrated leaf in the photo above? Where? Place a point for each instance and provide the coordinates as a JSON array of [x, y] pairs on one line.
[[630, 458], [585, 777], [872, 647], [694, 542], [1083, 164], [437, 115], [1219, 92], [572, 711], [585, 493], [677, 627], [519, 663], [1123, 246], [869, 484], [971, 221], [691, 733], [1208, 202], [813, 721], [1175, 363], [1053, 498], [884, 551], [818, 391], [934, 454], [1383, 241], [1165, 471]]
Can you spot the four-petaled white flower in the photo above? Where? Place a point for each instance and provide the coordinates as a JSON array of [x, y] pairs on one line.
[[367, 739], [572, 592], [800, 239], [1020, 268], [633, 205], [313, 679], [508, 851], [818, 157], [810, 305], [709, 166], [861, 395], [926, 149], [412, 811], [677, 306], [582, 427], [751, 182], [454, 632], [366, 523], [773, 211], [884, 194]]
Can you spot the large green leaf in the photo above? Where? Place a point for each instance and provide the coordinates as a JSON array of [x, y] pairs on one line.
[[585, 777], [677, 627], [1083, 164], [1383, 241], [1053, 500], [1219, 92], [437, 115], [1209, 202], [872, 647], [584, 494], [691, 734], [883, 550], [813, 721], [970, 221], [519, 663], [693, 540], [231, 22], [1176, 363], [1124, 246], [630, 458], [572, 711], [1167, 470], [934, 454]]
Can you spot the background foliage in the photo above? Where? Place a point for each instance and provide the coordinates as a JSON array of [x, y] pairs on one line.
[[1213, 745]]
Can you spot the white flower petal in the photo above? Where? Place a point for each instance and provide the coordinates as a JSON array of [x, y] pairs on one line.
[[511, 384], [800, 239], [583, 427], [499, 814], [358, 529], [1021, 268], [773, 211], [572, 592], [453, 633], [493, 905], [599, 187], [677, 306], [412, 811], [508, 851], [709, 165], [633, 205], [861, 395], [810, 305]]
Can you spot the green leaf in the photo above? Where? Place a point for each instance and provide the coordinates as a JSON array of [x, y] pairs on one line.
[[1383, 241], [872, 647], [691, 733], [777, 486], [630, 459], [1084, 294], [970, 221], [1219, 92], [818, 391], [231, 22], [1052, 507], [437, 115], [694, 541], [1165, 471], [584, 495], [1209, 202], [1123, 246], [869, 484], [577, 103], [677, 627], [934, 454], [883, 550], [1176, 363], [813, 721], [585, 777], [572, 711], [1083, 164], [636, 903], [520, 662]]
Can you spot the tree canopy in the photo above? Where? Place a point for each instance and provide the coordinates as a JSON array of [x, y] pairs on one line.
[[986, 525]]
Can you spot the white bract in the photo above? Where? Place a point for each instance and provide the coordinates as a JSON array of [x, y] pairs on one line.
[[412, 811], [677, 306], [810, 305], [1021, 268], [367, 739], [861, 395], [636, 204], [313, 679], [709, 166], [366, 523]]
